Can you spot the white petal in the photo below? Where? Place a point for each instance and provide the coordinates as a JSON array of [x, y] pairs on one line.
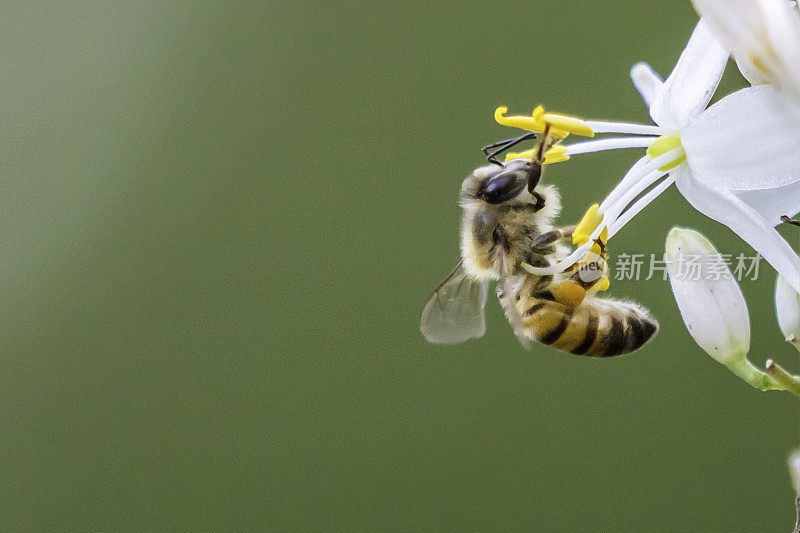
[[749, 140], [750, 72], [730, 19], [772, 203], [782, 57], [711, 303], [726, 208], [762, 35], [736, 24], [647, 82], [787, 308], [692, 83]]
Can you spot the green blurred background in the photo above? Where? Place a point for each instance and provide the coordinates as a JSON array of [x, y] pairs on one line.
[[219, 223]]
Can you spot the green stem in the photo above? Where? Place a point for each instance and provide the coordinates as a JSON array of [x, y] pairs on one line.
[[755, 376], [779, 374]]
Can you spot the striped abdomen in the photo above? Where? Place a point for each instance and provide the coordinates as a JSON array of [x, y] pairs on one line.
[[596, 328]]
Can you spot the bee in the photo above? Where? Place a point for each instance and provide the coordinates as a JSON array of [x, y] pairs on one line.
[[507, 220]]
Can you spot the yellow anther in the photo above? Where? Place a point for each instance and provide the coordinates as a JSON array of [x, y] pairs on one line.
[[560, 125], [664, 144], [603, 237], [568, 124], [527, 154], [756, 61], [517, 121], [556, 154], [591, 219], [534, 122]]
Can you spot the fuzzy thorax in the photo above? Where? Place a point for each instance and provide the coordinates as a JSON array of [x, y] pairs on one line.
[[508, 228]]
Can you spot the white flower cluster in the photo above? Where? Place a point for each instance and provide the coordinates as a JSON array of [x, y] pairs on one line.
[[745, 175], [736, 161]]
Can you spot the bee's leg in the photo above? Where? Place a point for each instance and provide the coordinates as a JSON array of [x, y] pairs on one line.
[[503, 146], [567, 231], [583, 279], [536, 284], [786, 220], [488, 147], [572, 291], [537, 161], [568, 293], [544, 240]]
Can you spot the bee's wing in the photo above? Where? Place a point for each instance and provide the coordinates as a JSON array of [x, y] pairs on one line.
[[455, 311]]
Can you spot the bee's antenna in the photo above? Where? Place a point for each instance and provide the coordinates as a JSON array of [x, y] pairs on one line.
[[502, 146]]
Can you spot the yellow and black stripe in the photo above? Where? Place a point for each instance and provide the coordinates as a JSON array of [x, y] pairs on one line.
[[596, 328]]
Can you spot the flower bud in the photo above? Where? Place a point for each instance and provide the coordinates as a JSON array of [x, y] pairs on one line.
[[709, 298], [794, 469], [787, 307]]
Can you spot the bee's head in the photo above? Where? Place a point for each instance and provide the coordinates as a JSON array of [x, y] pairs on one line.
[[508, 185]]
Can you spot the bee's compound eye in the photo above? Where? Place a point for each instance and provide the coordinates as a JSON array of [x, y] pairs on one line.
[[498, 183], [500, 188]]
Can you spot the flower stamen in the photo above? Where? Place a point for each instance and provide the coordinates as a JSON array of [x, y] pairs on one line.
[[591, 219], [599, 126], [612, 143], [561, 125], [640, 204], [664, 144], [556, 154]]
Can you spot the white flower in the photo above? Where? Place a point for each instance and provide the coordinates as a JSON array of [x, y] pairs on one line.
[[762, 35], [737, 161], [710, 301], [787, 308], [713, 308]]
